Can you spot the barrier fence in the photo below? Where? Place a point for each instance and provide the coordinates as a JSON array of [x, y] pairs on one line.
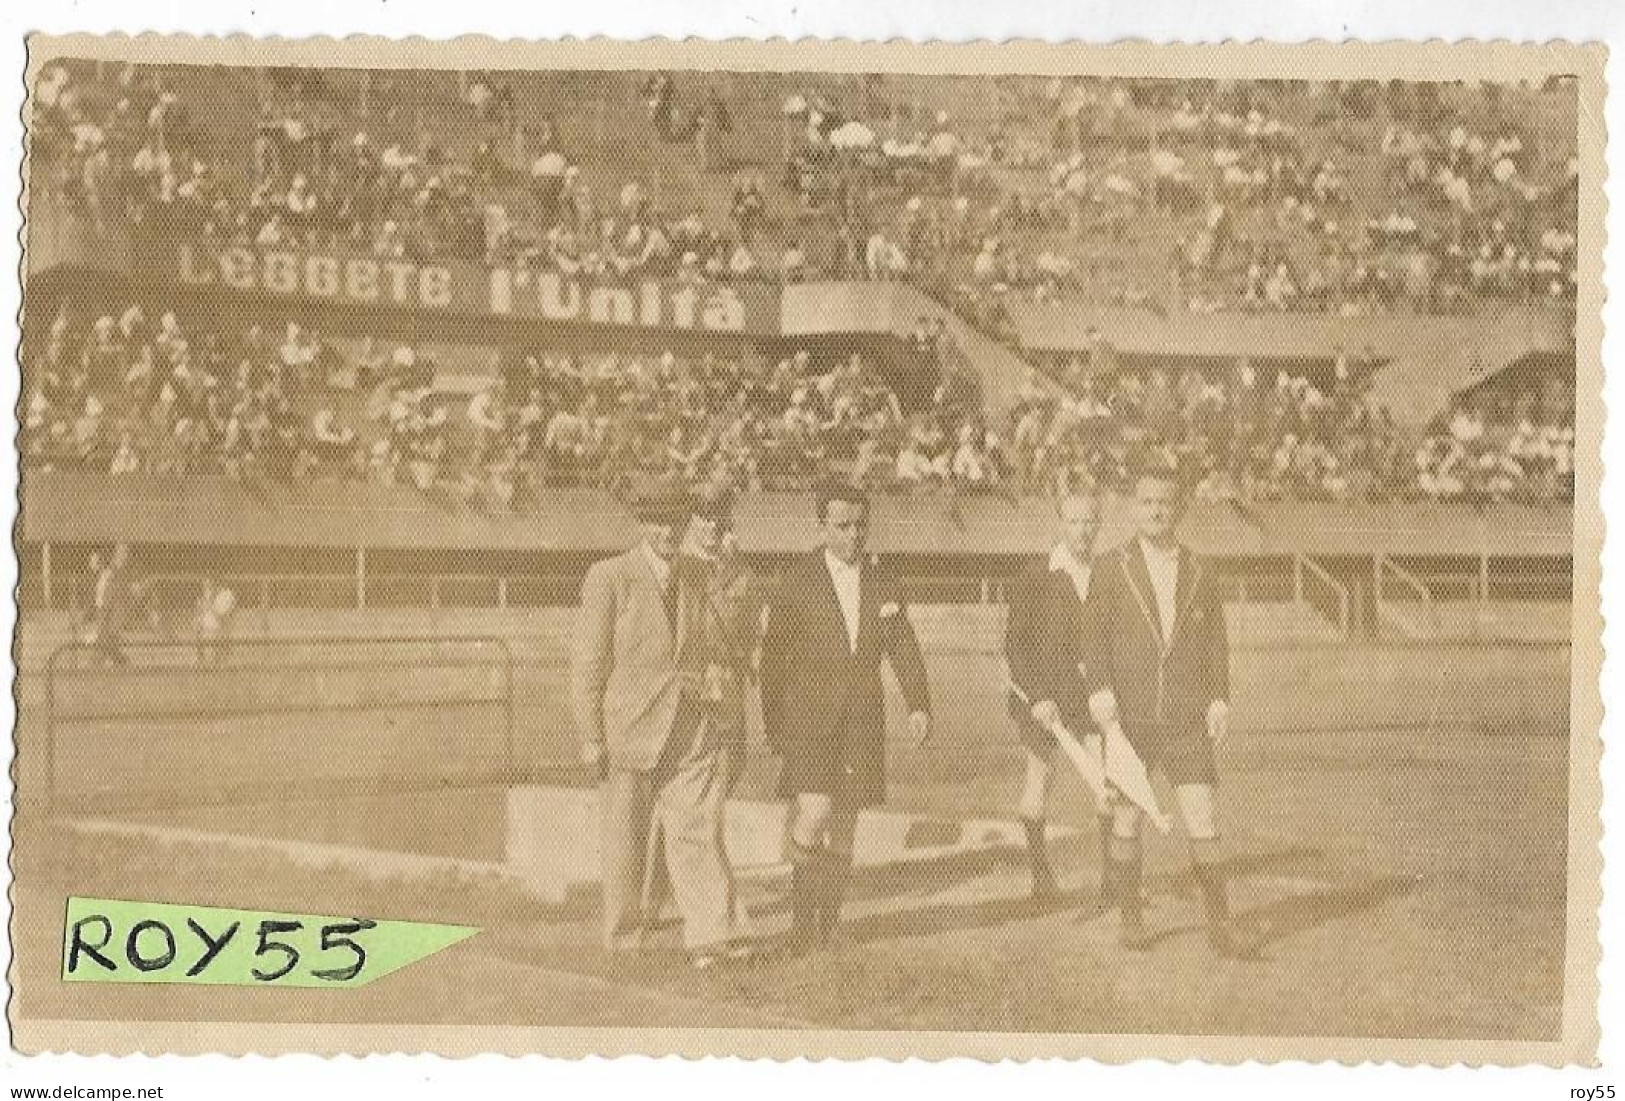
[[1329, 584], [283, 722], [1278, 600]]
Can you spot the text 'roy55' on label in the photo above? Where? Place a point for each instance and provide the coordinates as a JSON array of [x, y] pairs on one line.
[[112, 940]]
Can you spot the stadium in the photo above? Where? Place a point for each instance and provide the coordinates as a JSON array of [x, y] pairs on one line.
[[350, 374]]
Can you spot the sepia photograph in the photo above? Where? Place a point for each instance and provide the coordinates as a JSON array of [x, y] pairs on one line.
[[809, 548]]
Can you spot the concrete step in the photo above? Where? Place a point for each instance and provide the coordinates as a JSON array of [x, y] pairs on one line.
[[1501, 620], [1406, 620], [546, 839], [1278, 621]]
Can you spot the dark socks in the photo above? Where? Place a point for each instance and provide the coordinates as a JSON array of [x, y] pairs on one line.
[[1038, 858], [803, 883], [1205, 864], [1124, 872], [1215, 898], [806, 886], [1133, 933], [1106, 897], [1111, 876], [832, 892], [1108, 878]]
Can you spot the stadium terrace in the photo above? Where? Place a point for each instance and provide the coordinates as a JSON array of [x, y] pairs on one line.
[[1074, 558], [1341, 295]]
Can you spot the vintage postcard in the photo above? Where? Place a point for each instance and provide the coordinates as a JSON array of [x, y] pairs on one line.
[[779, 549]]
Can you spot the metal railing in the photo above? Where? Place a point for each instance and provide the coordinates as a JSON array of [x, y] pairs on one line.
[[177, 592], [173, 595], [1384, 567], [1308, 574], [237, 655], [262, 592], [1420, 601]]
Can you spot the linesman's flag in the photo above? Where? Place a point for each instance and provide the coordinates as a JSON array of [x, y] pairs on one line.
[[1109, 762]]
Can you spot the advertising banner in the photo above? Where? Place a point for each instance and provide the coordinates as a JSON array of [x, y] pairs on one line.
[[465, 289]]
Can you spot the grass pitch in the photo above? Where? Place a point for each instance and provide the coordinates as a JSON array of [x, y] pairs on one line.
[[1403, 881]]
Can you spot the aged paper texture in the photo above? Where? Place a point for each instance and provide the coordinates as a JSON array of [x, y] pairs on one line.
[[782, 549]]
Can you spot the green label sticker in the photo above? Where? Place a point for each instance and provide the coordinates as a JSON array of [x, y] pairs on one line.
[[113, 940]]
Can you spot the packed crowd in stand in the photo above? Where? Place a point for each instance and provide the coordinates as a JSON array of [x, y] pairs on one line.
[[128, 151], [1171, 195], [1246, 434], [127, 393], [1174, 196]]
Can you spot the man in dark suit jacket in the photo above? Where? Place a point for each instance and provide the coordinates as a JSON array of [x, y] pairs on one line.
[[1043, 650], [1157, 662], [837, 616]]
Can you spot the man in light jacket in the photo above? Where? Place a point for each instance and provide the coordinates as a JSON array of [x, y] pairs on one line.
[[644, 688]]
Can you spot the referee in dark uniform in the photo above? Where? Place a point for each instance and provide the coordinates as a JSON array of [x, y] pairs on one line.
[[1157, 662], [836, 618], [1044, 650]]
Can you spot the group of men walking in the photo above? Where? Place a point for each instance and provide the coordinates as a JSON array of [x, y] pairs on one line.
[[673, 634], [1130, 644]]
